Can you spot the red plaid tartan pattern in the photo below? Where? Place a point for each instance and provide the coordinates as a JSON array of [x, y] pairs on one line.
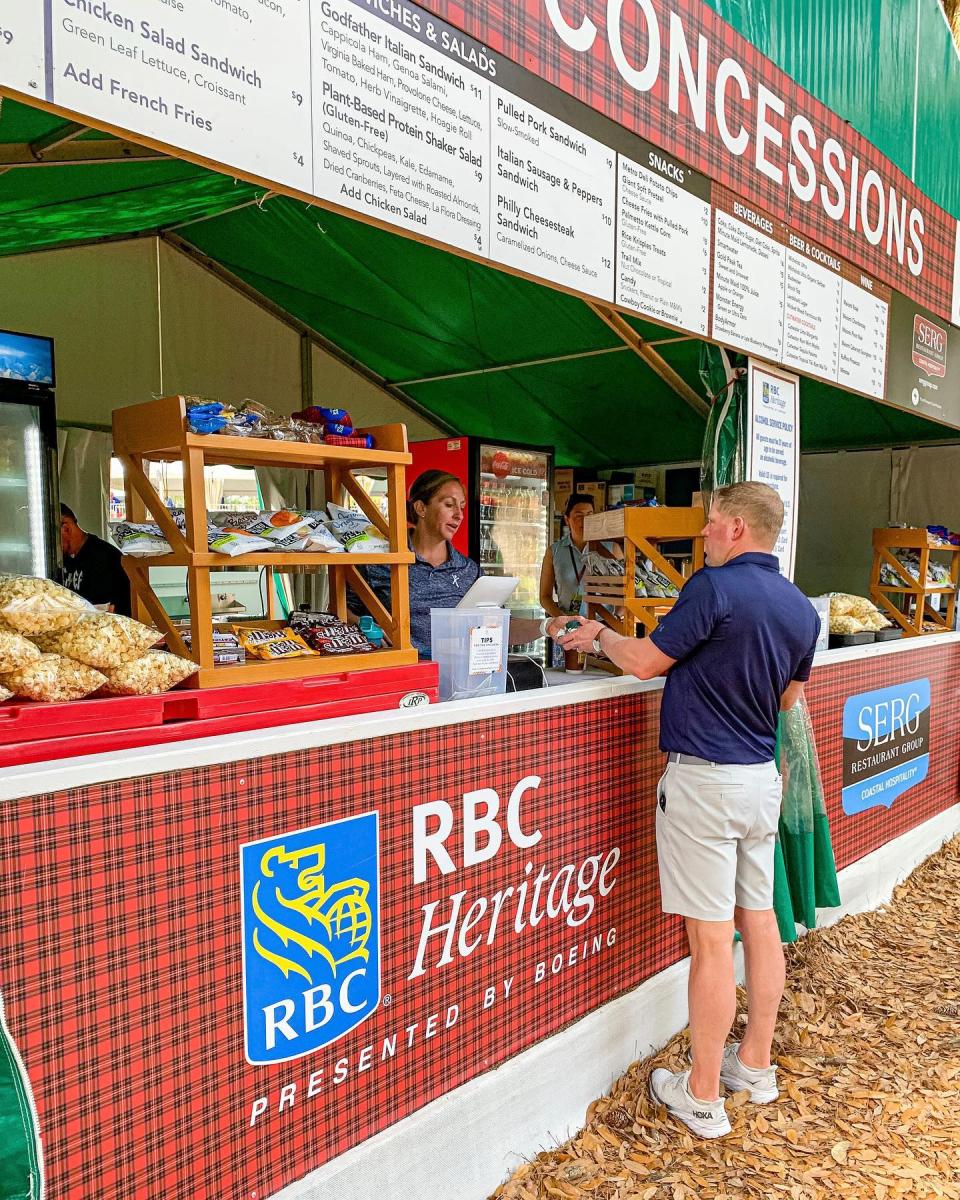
[[523, 33], [120, 933]]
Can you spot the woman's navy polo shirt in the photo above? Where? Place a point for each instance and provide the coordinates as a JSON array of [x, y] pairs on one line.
[[740, 633]]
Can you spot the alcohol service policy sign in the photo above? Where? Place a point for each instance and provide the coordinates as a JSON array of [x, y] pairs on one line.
[[886, 744]]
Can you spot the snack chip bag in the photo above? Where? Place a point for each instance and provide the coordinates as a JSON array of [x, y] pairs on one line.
[[5, 694], [103, 640], [271, 644], [356, 532], [16, 651], [237, 541], [31, 605], [53, 678], [138, 539], [149, 675]]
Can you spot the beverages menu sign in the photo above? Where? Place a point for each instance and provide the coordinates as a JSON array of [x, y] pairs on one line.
[[383, 109]]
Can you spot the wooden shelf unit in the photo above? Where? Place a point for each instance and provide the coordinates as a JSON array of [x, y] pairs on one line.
[[156, 431], [645, 533], [914, 608]]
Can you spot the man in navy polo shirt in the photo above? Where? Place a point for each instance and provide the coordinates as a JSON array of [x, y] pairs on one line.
[[736, 647]]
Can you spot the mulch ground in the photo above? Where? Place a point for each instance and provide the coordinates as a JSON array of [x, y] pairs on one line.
[[869, 1054]]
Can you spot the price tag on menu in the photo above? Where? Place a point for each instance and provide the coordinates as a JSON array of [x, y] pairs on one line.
[[21, 49], [486, 649], [749, 265]]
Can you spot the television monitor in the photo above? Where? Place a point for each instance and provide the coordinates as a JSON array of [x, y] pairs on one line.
[[26, 358]]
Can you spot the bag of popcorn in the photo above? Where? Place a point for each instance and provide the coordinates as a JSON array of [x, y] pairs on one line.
[[53, 678], [152, 673], [102, 640], [30, 605], [16, 651]]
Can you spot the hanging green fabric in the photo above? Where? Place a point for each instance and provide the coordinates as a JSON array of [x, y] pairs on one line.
[[20, 1172], [804, 870]]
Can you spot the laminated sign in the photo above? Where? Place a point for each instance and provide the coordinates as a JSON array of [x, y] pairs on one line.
[[486, 649], [886, 744]]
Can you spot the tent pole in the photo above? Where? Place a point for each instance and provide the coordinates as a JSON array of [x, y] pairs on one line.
[[516, 366], [625, 331]]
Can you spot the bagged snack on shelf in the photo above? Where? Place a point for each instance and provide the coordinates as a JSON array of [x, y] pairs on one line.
[[301, 620], [138, 540], [227, 650], [355, 531], [52, 678], [103, 640], [846, 624], [207, 418], [335, 416], [149, 675], [233, 541], [30, 605], [363, 441], [337, 429], [337, 639], [843, 604], [271, 644], [320, 538], [16, 651]]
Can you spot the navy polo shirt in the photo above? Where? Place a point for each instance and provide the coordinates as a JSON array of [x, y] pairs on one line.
[[430, 587], [740, 633]]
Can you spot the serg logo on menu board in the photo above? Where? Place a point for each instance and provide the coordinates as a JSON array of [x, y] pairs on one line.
[[929, 347], [311, 937]]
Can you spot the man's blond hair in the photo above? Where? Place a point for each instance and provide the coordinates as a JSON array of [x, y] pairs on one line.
[[759, 506]]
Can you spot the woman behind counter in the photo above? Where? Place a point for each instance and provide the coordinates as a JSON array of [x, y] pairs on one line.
[[440, 576]]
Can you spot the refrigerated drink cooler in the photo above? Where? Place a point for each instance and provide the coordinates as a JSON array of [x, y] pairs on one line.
[[509, 494], [29, 503]]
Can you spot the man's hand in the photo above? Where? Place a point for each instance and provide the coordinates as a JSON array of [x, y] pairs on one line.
[[581, 639]]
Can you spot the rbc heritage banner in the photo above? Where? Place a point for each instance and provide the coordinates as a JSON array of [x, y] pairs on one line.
[[221, 978]]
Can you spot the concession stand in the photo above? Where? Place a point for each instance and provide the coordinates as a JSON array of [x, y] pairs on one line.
[[330, 943]]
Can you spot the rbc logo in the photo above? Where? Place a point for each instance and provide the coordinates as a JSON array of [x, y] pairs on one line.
[[311, 936]]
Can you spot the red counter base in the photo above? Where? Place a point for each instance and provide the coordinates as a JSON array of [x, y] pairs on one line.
[[32, 732]]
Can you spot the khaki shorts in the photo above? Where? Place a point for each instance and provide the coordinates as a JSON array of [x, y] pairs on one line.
[[716, 830]]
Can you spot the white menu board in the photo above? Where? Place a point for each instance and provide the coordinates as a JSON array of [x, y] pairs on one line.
[[21, 49], [553, 198], [225, 81], [748, 283], [773, 447], [811, 314], [663, 243], [863, 340], [401, 129]]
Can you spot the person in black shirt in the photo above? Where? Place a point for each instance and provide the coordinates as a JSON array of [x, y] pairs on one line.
[[92, 567]]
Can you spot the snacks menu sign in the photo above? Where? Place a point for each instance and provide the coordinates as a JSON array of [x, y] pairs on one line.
[[886, 744]]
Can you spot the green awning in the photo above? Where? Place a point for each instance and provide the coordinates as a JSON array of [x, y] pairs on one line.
[[438, 326]]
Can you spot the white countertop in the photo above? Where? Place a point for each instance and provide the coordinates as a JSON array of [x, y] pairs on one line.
[[564, 689]]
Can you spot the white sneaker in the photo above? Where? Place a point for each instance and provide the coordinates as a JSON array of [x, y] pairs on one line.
[[760, 1082], [705, 1118]]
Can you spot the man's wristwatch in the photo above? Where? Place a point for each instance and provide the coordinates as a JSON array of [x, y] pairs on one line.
[[597, 648]]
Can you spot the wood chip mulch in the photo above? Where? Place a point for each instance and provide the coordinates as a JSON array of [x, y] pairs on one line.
[[869, 1055]]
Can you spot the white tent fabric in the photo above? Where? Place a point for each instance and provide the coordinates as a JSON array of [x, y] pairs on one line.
[[84, 458]]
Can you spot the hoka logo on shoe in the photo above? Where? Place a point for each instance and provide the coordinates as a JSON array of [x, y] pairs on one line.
[[703, 1114], [311, 937]]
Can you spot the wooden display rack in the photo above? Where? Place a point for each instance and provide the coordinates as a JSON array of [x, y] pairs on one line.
[[157, 431], [644, 533], [912, 594]]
